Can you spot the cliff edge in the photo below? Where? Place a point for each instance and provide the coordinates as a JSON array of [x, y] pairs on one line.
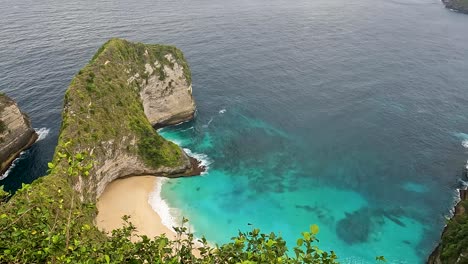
[[16, 133], [453, 248]]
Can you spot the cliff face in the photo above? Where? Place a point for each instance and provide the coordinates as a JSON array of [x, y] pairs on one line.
[[167, 101], [109, 111], [453, 248], [16, 133], [104, 135], [458, 5]]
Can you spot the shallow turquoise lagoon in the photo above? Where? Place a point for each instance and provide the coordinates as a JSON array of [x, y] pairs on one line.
[[259, 176]]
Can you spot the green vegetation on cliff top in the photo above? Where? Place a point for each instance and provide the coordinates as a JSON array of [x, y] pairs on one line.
[[454, 245], [47, 222], [102, 105]]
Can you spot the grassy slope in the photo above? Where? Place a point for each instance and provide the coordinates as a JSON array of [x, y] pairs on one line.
[[455, 238], [99, 106]]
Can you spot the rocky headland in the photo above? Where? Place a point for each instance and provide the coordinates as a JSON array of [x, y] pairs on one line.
[[16, 133], [110, 110], [453, 248], [457, 5], [112, 107]]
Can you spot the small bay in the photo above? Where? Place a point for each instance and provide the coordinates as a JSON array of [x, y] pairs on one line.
[[349, 115]]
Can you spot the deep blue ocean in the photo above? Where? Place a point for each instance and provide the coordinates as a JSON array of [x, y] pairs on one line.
[[352, 115]]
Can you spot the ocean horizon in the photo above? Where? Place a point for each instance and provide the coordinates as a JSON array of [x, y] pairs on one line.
[[351, 116]]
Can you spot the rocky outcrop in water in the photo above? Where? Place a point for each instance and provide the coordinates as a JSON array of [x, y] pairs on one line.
[[453, 249], [16, 133], [457, 5], [109, 112]]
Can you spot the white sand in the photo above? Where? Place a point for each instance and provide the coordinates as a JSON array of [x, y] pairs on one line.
[[129, 196]]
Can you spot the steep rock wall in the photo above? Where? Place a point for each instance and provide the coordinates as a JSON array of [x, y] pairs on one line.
[[109, 112], [16, 133], [168, 101]]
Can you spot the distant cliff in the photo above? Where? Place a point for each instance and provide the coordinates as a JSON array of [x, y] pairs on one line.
[[16, 133], [453, 248], [458, 5]]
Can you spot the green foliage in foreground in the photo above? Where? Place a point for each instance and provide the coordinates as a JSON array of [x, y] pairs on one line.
[[57, 231], [45, 222], [454, 245], [48, 221]]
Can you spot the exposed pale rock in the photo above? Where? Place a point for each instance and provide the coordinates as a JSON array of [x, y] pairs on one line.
[[131, 166], [169, 101], [16, 133], [109, 113]]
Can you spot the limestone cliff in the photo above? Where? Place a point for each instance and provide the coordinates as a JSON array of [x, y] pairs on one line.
[[167, 101], [453, 249], [457, 5], [109, 111], [16, 133]]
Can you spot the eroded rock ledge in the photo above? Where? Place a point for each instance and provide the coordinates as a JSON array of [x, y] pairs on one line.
[[16, 133], [111, 107]]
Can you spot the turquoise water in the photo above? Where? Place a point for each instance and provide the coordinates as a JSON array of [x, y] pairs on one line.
[[348, 114], [260, 176]]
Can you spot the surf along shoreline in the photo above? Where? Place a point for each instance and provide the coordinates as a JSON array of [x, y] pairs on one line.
[[134, 196]]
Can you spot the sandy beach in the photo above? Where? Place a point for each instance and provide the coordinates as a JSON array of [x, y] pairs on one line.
[[129, 196]]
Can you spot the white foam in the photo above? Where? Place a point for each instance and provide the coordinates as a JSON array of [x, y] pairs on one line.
[[222, 111], [161, 207], [170, 217], [42, 133], [465, 143], [13, 164], [203, 158], [183, 130], [208, 124]]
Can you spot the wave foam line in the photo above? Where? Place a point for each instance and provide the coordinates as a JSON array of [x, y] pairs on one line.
[[205, 161], [161, 207], [42, 133], [465, 143], [170, 217], [13, 164]]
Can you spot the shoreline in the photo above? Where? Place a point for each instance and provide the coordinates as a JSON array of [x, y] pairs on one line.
[[130, 196]]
